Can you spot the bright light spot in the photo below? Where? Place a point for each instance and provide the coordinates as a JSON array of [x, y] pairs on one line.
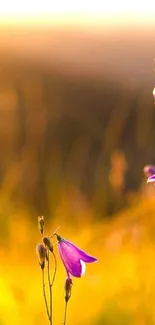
[[83, 264], [48, 11]]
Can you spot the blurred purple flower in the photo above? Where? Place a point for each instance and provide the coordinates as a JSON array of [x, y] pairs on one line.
[[73, 258], [151, 179], [149, 170]]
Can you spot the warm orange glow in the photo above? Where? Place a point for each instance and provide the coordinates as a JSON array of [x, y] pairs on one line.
[[97, 12]]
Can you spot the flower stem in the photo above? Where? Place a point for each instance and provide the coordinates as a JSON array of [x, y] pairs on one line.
[[50, 288], [50, 283], [55, 269], [65, 313], [44, 294]]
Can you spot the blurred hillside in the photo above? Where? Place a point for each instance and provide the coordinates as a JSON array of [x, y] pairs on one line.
[[71, 133], [114, 52]]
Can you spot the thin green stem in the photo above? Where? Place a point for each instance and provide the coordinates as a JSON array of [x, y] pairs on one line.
[[44, 294], [65, 313], [50, 288], [55, 269]]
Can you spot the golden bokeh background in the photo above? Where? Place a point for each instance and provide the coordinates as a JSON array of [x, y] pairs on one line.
[[77, 123]]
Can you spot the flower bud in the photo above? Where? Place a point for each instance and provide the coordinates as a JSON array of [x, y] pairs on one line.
[[41, 253], [41, 224], [68, 287], [48, 244]]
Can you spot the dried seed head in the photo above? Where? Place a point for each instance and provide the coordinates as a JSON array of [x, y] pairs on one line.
[[68, 288], [41, 224], [48, 244], [41, 253]]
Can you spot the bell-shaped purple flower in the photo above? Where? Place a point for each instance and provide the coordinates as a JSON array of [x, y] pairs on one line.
[[151, 179], [73, 258], [149, 170]]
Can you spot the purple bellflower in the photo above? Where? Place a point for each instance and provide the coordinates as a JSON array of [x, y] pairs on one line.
[[149, 170], [73, 258], [151, 179]]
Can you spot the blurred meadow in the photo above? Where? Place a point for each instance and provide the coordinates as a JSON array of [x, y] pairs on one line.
[[77, 126]]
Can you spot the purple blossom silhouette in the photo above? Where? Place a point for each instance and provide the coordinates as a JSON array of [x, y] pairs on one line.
[[151, 179], [73, 258], [149, 170]]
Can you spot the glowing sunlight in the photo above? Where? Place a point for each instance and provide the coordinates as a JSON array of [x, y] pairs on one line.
[[97, 12]]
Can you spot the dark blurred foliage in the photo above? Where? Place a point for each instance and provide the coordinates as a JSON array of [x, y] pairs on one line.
[[59, 131]]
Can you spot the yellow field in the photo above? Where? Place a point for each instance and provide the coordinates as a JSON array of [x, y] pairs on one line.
[[119, 289]]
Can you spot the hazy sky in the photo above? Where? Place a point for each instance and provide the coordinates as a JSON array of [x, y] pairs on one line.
[[79, 12]]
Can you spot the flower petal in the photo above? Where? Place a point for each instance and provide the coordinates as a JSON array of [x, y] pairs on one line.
[[80, 253], [83, 270], [151, 179], [71, 262], [149, 170]]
